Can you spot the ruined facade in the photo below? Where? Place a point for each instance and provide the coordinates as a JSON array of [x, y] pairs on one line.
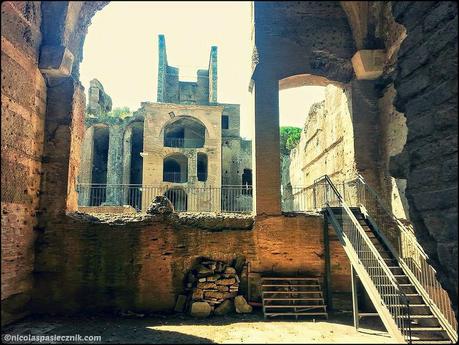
[[49, 256], [183, 143]]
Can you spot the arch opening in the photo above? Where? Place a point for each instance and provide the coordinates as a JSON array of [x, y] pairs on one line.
[[202, 166], [185, 133], [99, 165], [175, 168]]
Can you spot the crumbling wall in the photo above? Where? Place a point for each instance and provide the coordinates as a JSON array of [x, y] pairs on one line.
[[99, 102], [426, 86], [326, 145], [23, 113], [139, 262]]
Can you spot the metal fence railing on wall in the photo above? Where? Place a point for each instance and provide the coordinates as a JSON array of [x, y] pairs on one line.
[[185, 199]]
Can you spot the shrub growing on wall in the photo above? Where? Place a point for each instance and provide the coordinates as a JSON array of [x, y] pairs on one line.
[[289, 138]]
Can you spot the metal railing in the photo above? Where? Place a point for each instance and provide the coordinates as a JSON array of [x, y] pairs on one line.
[[237, 199], [298, 199], [183, 142], [407, 250], [173, 176], [364, 253]]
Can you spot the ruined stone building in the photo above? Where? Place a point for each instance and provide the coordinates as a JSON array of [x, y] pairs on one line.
[[394, 127], [186, 145]]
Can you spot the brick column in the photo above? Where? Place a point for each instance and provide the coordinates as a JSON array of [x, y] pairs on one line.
[[115, 166], [266, 156]]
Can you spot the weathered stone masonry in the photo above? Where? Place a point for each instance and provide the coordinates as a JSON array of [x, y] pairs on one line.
[[316, 38]]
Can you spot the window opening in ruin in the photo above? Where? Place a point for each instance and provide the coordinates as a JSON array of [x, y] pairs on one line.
[[225, 122], [175, 168], [99, 167], [202, 166], [247, 177], [185, 132], [295, 104]]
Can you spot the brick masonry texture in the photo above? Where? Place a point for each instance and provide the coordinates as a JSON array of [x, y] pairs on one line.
[[426, 85], [75, 265], [142, 265]]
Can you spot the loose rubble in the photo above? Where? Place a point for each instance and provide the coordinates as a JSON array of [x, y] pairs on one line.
[[212, 287], [160, 205]]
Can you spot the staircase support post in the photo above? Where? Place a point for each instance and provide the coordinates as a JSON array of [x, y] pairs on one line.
[[328, 286], [355, 304]]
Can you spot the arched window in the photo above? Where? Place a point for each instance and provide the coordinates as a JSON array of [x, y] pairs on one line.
[[185, 132], [202, 166], [175, 168]]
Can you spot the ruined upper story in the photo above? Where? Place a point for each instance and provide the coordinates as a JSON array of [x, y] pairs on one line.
[[202, 92], [172, 90]]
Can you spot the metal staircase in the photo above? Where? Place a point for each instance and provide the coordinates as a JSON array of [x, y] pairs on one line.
[[297, 296], [390, 264]]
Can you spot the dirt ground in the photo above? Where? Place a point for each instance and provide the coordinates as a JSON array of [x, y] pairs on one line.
[[181, 329]]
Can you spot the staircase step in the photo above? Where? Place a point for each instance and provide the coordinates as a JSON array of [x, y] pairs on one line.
[[431, 341], [293, 292], [426, 329], [294, 306], [413, 317], [293, 299], [290, 285], [411, 305], [299, 313], [287, 278]]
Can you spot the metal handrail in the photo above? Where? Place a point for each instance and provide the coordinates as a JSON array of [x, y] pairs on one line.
[[183, 142], [389, 291], [185, 198], [414, 261]]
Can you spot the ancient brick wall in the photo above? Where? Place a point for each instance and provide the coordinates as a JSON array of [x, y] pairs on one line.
[[23, 113], [426, 85], [142, 265]]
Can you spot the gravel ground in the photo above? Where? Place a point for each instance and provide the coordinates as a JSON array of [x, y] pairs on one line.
[[181, 329]]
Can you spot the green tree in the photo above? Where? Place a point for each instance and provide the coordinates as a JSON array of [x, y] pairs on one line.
[[289, 138], [120, 112]]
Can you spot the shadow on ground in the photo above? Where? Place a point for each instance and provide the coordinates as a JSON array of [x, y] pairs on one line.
[[115, 329]]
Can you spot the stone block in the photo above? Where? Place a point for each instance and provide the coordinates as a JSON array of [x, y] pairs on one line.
[[180, 303], [368, 64], [228, 281], [197, 294], [214, 294], [200, 309], [206, 285], [225, 308], [242, 307], [56, 61]]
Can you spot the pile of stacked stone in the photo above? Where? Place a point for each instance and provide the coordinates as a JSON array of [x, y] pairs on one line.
[[213, 287]]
